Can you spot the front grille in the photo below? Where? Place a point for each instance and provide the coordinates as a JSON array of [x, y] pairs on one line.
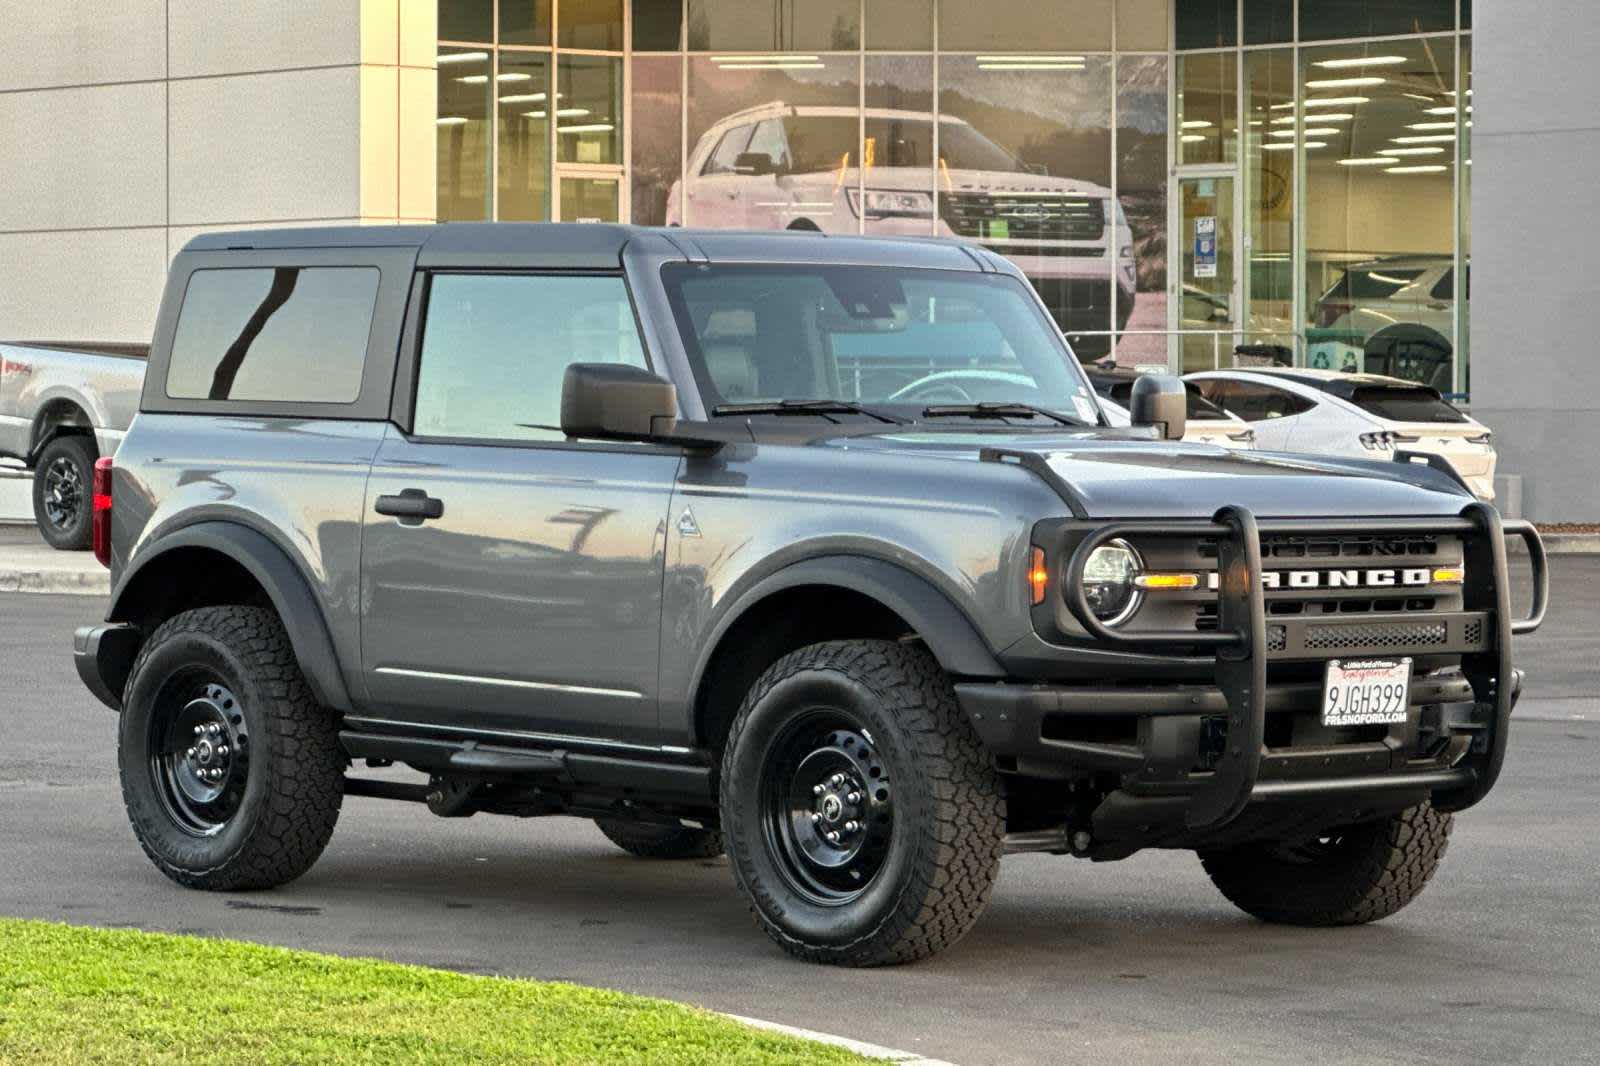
[[1377, 635], [1367, 547], [1474, 632], [1029, 216]]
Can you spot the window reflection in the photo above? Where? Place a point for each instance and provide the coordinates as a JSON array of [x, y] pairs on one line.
[[589, 110], [524, 21], [1024, 25], [463, 134], [1208, 108], [774, 25], [593, 24], [657, 139], [1380, 215], [897, 146], [1270, 151], [1142, 194]]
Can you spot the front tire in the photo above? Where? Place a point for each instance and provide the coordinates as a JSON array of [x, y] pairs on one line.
[[63, 487], [231, 772], [1348, 876], [650, 841], [863, 819]]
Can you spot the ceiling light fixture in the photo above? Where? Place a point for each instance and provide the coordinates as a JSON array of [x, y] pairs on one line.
[[1196, 124], [1343, 83], [450, 120], [1366, 162], [1361, 61], [1426, 138], [1338, 101], [772, 66], [1410, 151], [523, 98], [463, 57], [1430, 169], [590, 127]]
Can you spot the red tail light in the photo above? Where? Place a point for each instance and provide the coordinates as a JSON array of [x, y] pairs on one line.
[[102, 510]]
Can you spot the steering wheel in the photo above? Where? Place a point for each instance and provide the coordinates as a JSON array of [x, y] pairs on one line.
[[928, 390]]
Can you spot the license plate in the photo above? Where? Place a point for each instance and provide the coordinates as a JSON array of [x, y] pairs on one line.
[[1366, 692]]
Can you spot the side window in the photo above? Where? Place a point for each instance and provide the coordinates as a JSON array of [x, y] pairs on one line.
[[728, 149], [769, 141], [1258, 403], [496, 346], [273, 334]]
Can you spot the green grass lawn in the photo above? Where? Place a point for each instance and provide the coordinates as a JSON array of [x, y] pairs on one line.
[[73, 995]]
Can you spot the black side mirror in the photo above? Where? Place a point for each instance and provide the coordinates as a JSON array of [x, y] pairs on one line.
[[1160, 400], [617, 402], [754, 163]]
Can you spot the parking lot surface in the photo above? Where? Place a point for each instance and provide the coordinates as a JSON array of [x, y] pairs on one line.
[[1134, 962]]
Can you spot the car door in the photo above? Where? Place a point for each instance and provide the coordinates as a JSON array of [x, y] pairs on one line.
[[716, 195], [1270, 411], [511, 578]]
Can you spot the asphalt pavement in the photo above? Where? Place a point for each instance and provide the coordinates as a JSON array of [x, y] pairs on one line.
[[1130, 963]]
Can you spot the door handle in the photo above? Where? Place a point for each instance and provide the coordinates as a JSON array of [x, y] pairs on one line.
[[411, 506]]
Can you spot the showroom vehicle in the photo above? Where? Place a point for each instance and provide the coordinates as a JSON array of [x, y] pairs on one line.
[[1206, 424], [782, 166], [1326, 412], [590, 520], [62, 406], [1392, 316]]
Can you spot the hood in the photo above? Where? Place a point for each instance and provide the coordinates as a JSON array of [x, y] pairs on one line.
[[1131, 478]]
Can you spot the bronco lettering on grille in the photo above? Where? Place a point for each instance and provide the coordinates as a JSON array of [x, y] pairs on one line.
[[1390, 577]]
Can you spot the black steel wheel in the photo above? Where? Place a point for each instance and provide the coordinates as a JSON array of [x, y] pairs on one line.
[[827, 807], [63, 481], [862, 816], [231, 772]]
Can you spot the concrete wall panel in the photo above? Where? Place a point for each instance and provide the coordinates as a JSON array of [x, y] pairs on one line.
[[85, 285], [81, 42], [255, 35]]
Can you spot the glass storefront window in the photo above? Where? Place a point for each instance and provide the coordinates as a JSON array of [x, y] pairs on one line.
[[593, 24], [589, 199], [774, 25], [1268, 21], [1380, 216], [1324, 20], [463, 134], [523, 143], [900, 25], [1462, 288], [1024, 25], [773, 142], [589, 110], [1141, 270], [466, 20], [657, 146], [1205, 23], [897, 147], [523, 21], [1271, 149], [657, 25], [1024, 168], [1208, 108]]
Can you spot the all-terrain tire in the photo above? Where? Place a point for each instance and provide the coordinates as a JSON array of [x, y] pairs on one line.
[[72, 526], [293, 779], [942, 854], [1350, 877], [649, 841]]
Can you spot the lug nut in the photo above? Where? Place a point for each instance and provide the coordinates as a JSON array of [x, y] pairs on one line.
[[213, 729], [816, 790], [816, 819], [222, 751], [851, 826], [833, 836], [199, 730], [854, 797], [189, 754], [838, 779]]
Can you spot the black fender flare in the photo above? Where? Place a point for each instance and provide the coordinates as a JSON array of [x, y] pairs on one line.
[[285, 585], [949, 634], [51, 433]]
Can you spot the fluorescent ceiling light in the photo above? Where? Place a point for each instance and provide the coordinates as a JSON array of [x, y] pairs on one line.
[[771, 66], [1030, 59], [1333, 116], [1432, 126], [1426, 138], [480, 79], [1410, 151], [1338, 101], [450, 120], [463, 57], [1431, 169], [591, 127], [1419, 96], [1317, 131], [523, 98], [1366, 162], [761, 59], [1343, 83], [1446, 110], [1030, 66], [1361, 61], [1190, 138], [1196, 124], [1281, 146]]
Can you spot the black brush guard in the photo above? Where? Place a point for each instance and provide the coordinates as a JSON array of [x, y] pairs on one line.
[[1241, 637]]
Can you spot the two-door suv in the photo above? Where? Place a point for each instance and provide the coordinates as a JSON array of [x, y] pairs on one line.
[[816, 549]]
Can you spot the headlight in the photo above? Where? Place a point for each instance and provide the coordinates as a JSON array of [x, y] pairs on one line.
[[1108, 582], [880, 203]]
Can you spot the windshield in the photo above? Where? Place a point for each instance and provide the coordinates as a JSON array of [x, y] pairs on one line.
[[963, 148], [897, 340]]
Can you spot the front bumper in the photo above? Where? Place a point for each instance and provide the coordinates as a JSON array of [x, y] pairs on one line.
[[1204, 753]]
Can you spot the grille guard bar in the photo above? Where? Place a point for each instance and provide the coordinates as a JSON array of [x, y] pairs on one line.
[[1239, 640]]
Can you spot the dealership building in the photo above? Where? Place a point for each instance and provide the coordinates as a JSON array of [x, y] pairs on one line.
[[1305, 179]]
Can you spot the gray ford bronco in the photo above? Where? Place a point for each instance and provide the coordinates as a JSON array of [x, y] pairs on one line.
[[815, 550]]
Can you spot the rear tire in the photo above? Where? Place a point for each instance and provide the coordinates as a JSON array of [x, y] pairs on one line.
[[231, 772], [1348, 876], [63, 492], [863, 818], [650, 841]]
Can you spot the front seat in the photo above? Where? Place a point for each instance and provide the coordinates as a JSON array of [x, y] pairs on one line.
[[733, 371]]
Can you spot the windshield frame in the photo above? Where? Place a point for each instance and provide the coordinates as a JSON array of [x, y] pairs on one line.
[[708, 397]]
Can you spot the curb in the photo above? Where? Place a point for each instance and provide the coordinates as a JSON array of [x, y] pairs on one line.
[[1562, 544], [860, 1047]]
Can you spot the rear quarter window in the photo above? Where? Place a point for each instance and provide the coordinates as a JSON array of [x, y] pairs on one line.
[[273, 334], [1399, 404]]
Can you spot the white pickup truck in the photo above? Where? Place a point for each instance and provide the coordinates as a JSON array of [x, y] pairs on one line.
[[62, 406]]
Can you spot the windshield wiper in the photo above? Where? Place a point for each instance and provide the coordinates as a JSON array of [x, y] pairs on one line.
[[805, 407], [999, 409]]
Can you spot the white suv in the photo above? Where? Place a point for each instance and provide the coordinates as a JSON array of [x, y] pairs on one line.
[[1390, 316], [786, 167]]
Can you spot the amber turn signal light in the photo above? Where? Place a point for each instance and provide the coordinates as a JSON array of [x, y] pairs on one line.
[[1167, 581], [1038, 577]]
